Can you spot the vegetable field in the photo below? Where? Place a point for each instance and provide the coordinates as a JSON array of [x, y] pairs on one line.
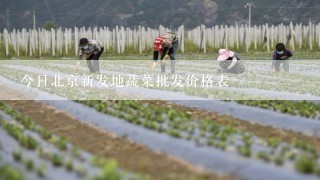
[[131, 122]]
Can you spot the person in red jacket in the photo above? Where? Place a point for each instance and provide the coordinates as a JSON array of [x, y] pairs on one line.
[[166, 45]]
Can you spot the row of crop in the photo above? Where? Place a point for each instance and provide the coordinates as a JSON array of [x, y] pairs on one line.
[[206, 132], [18, 74], [190, 129], [302, 108], [68, 157], [273, 82], [242, 81]]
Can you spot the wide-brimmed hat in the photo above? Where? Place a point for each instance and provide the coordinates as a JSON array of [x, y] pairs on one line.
[[224, 54]]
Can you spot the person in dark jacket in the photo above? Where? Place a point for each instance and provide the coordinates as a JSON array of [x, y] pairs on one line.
[[281, 56], [229, 62], [165, 45], [91, 50]]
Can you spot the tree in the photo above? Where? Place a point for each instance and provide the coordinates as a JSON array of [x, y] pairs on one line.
[[48, 25]]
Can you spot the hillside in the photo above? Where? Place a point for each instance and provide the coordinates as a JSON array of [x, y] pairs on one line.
[[153, 12]]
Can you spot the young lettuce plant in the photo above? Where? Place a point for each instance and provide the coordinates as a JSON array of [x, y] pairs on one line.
[[80, 170], [56, 160], [16, 155], [263, 155], [305, 164], [8, 172], [69, 165], [42, 171], [29, 164], [244, 150]]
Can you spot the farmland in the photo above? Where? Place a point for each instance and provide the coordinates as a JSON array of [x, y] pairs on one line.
[[129, 121], [115, 125]]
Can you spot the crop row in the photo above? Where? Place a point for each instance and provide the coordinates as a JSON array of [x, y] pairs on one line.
[[107, 168], [302, 108], [205, 132], [17, 75], [238, 81]]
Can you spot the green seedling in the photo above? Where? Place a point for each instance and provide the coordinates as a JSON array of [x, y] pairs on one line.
[[291, 155], [29, 164], [44, 154], [42, 171], [222, 145], [45, 134], [263, 155], [28, 142], [246, 138], [305, 164], [56, 160], [80, 170], [69, 165], [98, 161], [62, 144], [109, 171], [7, 172], [279, 160], [76, 152], [16, 155], [244, 150], [272, 142]]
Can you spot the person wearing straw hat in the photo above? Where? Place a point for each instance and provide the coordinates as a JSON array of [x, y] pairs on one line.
[[91, 50], [229, 62], [165, 45], [281, 56]]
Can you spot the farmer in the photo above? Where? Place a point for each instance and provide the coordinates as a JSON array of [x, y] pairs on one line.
[[229, 62], [165, 45], [281, 55], [92, 51]]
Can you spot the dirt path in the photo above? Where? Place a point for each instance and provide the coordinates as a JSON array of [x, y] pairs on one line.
[[130, 156]]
